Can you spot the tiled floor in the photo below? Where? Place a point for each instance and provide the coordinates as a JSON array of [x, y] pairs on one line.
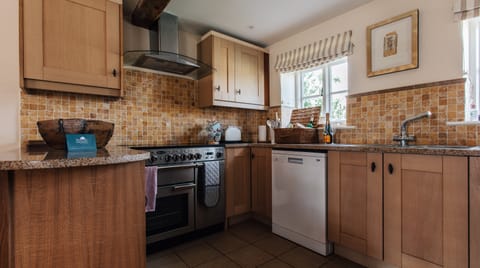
[[248, 244]]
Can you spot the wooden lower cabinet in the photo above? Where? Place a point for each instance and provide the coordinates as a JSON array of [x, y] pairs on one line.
[[474, 212], [237, 181], [426, 210], [262, 182], [355, 201], [73, 217]]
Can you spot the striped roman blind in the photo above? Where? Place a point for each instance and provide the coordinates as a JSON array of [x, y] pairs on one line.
[[466, 9], [315, 54]]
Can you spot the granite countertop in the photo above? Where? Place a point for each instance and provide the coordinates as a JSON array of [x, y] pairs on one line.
[[20, 159], [389, 148], [374, 148]]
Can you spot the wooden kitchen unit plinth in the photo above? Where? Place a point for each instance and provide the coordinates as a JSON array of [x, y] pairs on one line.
[[81, 217]]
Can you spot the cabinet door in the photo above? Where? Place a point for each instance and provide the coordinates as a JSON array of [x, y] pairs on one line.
[[355, 201], [224, 65], [73, 41], [426, 210], [262, 182], [474, 212], [237, 181], [249, 76]]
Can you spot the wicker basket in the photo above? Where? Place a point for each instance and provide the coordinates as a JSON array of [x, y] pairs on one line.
[[296, 135]]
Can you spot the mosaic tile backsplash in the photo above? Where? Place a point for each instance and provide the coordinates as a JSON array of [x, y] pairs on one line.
[[159, 109], [377, 116], [155, 109]]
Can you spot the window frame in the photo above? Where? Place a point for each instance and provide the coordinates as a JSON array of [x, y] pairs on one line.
[[471, 67], [326, 91]]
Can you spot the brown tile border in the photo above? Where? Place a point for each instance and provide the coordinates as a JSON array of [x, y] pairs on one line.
[[416, 86]]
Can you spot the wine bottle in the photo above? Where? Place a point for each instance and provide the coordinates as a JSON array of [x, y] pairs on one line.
[[327, 131], [310, 123]]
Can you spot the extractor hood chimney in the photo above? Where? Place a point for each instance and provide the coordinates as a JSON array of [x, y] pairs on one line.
[[163, 54]]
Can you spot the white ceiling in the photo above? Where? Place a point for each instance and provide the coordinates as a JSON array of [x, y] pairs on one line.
[[262, 22]]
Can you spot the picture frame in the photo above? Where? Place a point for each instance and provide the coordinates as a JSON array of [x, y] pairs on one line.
[[392, 44]]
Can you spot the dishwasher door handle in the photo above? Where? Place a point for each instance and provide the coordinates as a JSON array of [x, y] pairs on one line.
[[294, 160]]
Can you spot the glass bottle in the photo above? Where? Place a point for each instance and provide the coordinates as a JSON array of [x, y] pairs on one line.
[[327, 131]]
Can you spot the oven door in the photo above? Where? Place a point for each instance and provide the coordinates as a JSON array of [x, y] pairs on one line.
[[175, 205]]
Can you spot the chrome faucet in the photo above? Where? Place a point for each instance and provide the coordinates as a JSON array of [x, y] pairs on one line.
[[404, 137]]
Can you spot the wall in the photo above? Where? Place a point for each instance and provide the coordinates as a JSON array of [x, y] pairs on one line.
[[440, 51], [156, 109], [377, 115], [9, 75]]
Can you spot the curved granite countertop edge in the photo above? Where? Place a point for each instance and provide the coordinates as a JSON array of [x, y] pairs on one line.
[[19, 159], [373, 148]]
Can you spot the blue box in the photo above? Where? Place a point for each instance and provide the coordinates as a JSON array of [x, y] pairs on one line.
[[81, 142]]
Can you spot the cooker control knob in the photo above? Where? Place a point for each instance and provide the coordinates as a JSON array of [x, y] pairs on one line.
[[175, 158], [219, 154], [168, 157], [183, 157], [153, 158], [198, 156], [190, 156]]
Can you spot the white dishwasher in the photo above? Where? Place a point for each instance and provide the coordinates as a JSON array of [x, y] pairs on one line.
[[299, 198]]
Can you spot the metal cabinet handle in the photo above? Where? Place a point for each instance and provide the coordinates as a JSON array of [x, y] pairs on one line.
[[390, 168], [373, 166], [217, 88], [183, 187], [239, 91], [114, 72]]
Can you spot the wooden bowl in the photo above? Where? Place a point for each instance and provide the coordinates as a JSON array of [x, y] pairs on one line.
[[53, 131]]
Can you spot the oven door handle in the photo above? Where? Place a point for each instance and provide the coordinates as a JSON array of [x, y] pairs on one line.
[[180, 166], [183, 187]]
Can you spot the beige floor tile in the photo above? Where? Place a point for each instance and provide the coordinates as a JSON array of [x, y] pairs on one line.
[[304, 258], [163, 259], [275, 264], [225, 242], [197, 253], [220, 262], [188, 244], [250, 231], [339, 262], [249, 256], [275, 245]]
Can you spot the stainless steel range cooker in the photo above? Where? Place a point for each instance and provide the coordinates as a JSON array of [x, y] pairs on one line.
[[190, 189]]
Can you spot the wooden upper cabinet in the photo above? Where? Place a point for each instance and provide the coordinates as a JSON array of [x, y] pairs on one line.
[[426, 210], [355, 196], [73, 46], [238, 77], [249, 76], [224, 61]]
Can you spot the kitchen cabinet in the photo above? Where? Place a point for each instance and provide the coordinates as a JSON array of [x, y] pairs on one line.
[[261, 164], [474, 212], [238, 79], [426, 210], [72, 46], [237, 181], [355, 197], [92, 216]]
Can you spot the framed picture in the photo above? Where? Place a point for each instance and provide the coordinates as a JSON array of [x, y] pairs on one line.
[[392, 45]]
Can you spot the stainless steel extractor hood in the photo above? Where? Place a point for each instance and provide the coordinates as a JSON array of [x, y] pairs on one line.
[[162, 54]]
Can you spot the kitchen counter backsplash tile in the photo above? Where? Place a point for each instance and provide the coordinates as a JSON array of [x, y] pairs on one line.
[[155, 109], [377, 117]]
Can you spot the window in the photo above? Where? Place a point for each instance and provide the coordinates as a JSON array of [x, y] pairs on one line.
[[471, 66], [325, 86]]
